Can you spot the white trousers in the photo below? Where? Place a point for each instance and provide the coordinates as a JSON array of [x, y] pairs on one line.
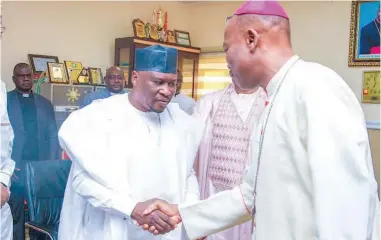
[[6, 223]]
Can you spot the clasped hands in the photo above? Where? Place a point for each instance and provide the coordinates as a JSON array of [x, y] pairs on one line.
[[156, 216]]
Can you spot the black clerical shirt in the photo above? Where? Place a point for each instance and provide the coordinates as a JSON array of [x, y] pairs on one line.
[[30, 122]]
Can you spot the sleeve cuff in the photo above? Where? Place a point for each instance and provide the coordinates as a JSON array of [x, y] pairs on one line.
[[123, 204], [5, 178]]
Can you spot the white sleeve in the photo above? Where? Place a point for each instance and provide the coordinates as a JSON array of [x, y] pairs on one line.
[[7, 164], [221, 211], [192, 192], [92, 178], [344, 186], [102, 197]]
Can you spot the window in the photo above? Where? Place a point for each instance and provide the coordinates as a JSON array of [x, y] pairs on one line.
[[213, 74]]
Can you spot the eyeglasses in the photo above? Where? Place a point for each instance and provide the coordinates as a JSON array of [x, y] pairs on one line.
[[115, 77]]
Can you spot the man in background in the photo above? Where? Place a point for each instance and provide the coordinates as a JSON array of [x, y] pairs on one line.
[[114, 80], [127, 150], [186, 103], [230, 115], [35, 129], [6, 168]]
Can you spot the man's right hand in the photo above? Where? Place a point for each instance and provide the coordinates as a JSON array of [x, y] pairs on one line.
[[160, 221], [4, 195], [170, 210]]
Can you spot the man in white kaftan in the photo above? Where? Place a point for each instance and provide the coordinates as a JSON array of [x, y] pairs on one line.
[[312, 175], [224, 153], [126, 150], [7, 166]]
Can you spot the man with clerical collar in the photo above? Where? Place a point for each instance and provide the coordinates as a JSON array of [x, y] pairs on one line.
[[311, 175], [35, 129], [186, 103], [125, 151], [114, 80]]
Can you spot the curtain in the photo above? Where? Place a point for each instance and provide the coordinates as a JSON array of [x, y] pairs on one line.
[[213, 74]]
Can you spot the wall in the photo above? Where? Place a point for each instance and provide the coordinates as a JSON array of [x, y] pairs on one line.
[[320, 32], [77, 31], [85, 31]]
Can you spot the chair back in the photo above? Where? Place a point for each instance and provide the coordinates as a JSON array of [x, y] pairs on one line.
[[45, 189]]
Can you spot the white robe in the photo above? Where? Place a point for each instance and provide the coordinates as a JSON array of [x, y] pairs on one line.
[[186, 103], [122, 156], [206, 109], [7, 165], [316, 178]]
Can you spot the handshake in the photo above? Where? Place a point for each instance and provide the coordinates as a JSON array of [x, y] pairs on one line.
[[156, 216]]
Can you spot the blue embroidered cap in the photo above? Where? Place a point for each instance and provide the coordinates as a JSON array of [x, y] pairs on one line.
[[156, 58]]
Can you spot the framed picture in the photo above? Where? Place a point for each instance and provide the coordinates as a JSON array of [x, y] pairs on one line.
[[73, 70], [171, 36], [96, 77], [364, 39], [84, 76], [57, 73], [139, 28], [39, 63], [371, 87], [182, 38]]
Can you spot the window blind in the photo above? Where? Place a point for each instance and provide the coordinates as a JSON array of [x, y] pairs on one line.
[[213, 74]]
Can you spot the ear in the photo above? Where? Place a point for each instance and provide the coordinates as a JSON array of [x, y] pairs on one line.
[[252, 37], [134, 78]]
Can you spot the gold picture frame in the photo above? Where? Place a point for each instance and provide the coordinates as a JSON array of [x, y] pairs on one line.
[[154, 34], [171, 36], [57, 73], [84, 76], [371, 87], [73, 70], [139, 28], [363, 17], [96, 77]]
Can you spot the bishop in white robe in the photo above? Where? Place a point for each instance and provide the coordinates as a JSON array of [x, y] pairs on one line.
[[7, 166], [127, 149], [225, 151], [311, 175]]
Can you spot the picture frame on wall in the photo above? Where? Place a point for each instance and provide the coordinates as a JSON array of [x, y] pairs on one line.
[[364, 39], [182, 38], [96, 77], [39, 63], [371, 87], [57, 73]]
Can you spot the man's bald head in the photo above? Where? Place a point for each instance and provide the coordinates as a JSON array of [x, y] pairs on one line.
[[114, 79]]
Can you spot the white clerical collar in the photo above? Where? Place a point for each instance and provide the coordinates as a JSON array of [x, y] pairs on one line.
[[274, 82]]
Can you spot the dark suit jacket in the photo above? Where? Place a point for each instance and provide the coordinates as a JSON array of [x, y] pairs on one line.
[[46, 129]]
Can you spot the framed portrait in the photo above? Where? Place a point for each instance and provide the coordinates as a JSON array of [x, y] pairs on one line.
[[364, 39], [171, 36], [73, 70], [182, 38], [371, 87], [96, 77], [39, 63], [57, 73]]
